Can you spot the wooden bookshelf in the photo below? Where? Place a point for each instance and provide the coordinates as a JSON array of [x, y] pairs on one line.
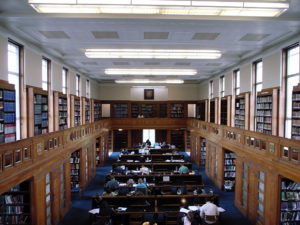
[[212, 111], [224, 111], [229, 167], [87, 110], [97, 110], [61, 114], [200, 110], [120, 139], [202, 151], [177, 139], [296, 113], [38, 110], [290, 202], [135, 112], [149, 110], [98, 152], [240, 113], [264, 108], [177, 110], [15, 206], [77, 111], [163, 110], [119, 110], [75, 170], [7, 113]]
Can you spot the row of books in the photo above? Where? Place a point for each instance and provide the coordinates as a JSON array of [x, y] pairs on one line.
[[296, 114], [296, 122], [229, 174], [229, 168], [296, 130], [286, 185], [62, 107], [290, 195], [12, 209], [62, 127], [7, 106], [63, 114], [264, 99], [296, 137], [75, 166], [296, 96], [240, 112], [229, 155], [290, 206], [229, 161], [296, 104], [74, 160], [7, 128], [290, 216], [62, 121], [62, 101], [14, 219], [5, 138], [264, 126], [7, 95], [264, 113], [12, 199], [264, 106], [74, 172], [7, 117], [261, 119]]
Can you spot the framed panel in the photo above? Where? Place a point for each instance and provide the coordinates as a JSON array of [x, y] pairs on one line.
[[18, 156], [148, 94], [26, 153], [8, 160]]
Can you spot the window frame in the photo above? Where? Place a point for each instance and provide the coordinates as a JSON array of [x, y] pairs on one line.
[[87, 88], [286, 77], [77, 85], [237, 87], [48, 75], [211, 89], [222, 86], [65, 79]]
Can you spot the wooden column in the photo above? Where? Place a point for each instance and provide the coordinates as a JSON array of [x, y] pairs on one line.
[[129, 138], [56, 111], [30, 111], [168, 137], [55, 195]]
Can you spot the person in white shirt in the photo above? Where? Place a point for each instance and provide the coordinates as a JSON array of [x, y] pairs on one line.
[[209, 212], [144, 169]]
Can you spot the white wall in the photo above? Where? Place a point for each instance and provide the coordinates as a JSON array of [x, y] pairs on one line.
[[203, 90], [228, 84], [167, 93], [216, 84], [56, 77], [271, 70], [33, 68], [245, 78], [3, 58]]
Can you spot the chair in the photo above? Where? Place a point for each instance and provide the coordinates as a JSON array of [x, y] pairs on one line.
[[210, 219]]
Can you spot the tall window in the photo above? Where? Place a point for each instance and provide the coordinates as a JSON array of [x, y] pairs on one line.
[[211, 89], [77, 85], [149, 134], [87, 88], [45, 73], [292, 79], [222, 86], [14, 64], [237, 81], [64, 80], [258, 75]]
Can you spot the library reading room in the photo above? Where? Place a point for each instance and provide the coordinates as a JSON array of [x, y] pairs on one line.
[[149, 112]]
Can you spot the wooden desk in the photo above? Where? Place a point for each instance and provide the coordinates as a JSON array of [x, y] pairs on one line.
[[154, 150], [154, 166], [157, 178], [152, 157]]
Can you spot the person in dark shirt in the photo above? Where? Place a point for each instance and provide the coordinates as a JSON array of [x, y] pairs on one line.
[[112, 185], [148, 142], [120, 170]]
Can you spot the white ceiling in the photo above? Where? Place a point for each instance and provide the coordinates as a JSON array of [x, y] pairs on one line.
[[66, 37]]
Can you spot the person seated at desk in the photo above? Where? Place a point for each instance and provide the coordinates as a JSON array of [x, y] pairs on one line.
[[124, 151], [120, 170], [142, 158], [148, 142], [141, 187], [183, 169], [209, 212], [164, 145], [112, 185], [144, 170]]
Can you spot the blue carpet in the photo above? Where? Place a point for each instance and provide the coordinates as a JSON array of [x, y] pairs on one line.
[[78, 214]]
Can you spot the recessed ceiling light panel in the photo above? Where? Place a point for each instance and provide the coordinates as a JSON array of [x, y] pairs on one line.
[[147, 81], [151, 72]]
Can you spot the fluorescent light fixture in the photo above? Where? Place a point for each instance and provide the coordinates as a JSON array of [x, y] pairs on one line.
[[163, 7], [147, 81], [143, 72], [152, 54]]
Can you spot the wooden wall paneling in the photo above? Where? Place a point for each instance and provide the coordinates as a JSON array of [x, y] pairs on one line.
[[137, 137], [55, 111], [232, 113], [30, 112], [238, 184], [249, 116], [229, 110], [67, 174], [169, 137], [55, 195], [275, 111], [253, 194], [272, 198], [38, 200]]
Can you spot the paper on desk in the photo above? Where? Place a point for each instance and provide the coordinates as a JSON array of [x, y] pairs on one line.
[[220, 209], [94, 211], [184, 210], [122, 209], [194, 208]]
